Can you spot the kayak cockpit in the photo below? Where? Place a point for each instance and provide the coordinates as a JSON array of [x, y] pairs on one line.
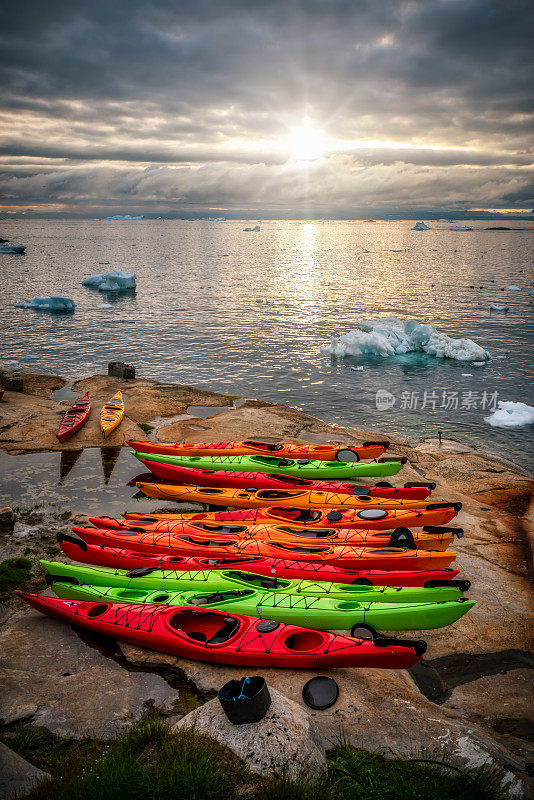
[[296, 514], [269, 448], [206, 628]]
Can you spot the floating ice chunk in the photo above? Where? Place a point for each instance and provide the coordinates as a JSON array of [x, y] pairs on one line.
[[445, 220], [13, 249], [497, 307], [478, 363], [460, 228], [114, 281], [467, 374], [514, 288], [357, 369], [390, 336], [105, 305], [255, 229], [215, 219], [124, 216], [420, 226], [54, 304], [511, 415], [103, 262]]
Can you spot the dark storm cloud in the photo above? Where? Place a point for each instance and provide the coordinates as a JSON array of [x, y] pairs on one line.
[[212, 85]]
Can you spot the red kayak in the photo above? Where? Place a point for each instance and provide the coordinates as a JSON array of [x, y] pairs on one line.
[[209, 635], [75, 418], [102, 556], [274, 480], [1, 393]]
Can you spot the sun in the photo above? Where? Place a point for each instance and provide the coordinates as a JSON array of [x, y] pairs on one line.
[[306, 143]]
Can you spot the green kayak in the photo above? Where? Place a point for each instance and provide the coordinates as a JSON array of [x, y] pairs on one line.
[[302, 467], [227, 580], [320, 613]]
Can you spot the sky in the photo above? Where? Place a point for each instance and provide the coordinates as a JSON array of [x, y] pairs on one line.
[[336, 108]]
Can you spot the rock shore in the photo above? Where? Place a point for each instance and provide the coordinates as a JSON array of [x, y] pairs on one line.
[[471, 695]]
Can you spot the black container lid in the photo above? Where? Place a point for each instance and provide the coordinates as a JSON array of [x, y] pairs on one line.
[[320, 693]]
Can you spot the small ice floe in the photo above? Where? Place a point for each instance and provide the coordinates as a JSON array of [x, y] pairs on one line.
[[357, 369], [215, 219], [420, 226], [390, 336], [105, 305], [445, 220], [114, 281], [101, 263], [55, 304], [255, 229], [478, 363], [511, 415], [513, 288], [497, 307], [460, 228], [467, 374], [13, 249], [125, 216]]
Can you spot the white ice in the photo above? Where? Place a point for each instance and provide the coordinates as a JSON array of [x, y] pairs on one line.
[[48, 304], [514, 288], [511, 415], [460, 228], [13, 249], [444, 220], [390, 336], [420, 226], [497, 307], [114, 281], [124, 216]]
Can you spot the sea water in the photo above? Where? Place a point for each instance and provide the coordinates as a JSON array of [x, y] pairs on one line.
[[247, 314]]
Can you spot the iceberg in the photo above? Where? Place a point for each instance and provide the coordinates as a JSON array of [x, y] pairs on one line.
[[420, 226], [511, 415], [255, 229], [13, 249], [114, 281], [445, 220], [55, 304], [390, 336], [497, 307], [124, 216], [460, 228], [514, 288]]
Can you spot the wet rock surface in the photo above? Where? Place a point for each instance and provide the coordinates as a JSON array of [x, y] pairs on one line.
[[286, 739], [51, 679], [470, 697]]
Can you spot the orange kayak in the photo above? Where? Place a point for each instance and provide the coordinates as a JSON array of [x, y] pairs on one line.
[[345, 555], [318, 452], [437, 539]]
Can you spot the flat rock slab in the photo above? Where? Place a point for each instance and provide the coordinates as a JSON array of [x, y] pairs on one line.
[[17, 776], [285, 739], [50, 678]]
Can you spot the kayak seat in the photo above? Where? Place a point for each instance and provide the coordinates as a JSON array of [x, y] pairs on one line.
[[205, 626], [230, 626]]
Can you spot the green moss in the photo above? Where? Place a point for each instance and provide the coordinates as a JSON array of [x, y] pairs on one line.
[[145, 427], [149, 761], [13, 573]]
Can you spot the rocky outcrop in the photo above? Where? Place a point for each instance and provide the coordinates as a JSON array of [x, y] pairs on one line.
[[285, 740], [50, 678], [17, 776]]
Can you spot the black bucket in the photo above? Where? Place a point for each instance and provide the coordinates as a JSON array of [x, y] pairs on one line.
[[246, 700]]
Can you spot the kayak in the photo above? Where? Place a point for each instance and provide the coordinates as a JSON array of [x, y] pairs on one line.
[[344, 555], [112, 414], [211, 635], [118, 558], [431, 515], [74, 418], [1, 393], [265, 498], [438, 539], [319, 613], [271, 480], [227, 580], [320, 452], [302, 467]]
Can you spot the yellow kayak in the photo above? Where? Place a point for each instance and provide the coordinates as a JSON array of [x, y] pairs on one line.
[[112, 414]]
